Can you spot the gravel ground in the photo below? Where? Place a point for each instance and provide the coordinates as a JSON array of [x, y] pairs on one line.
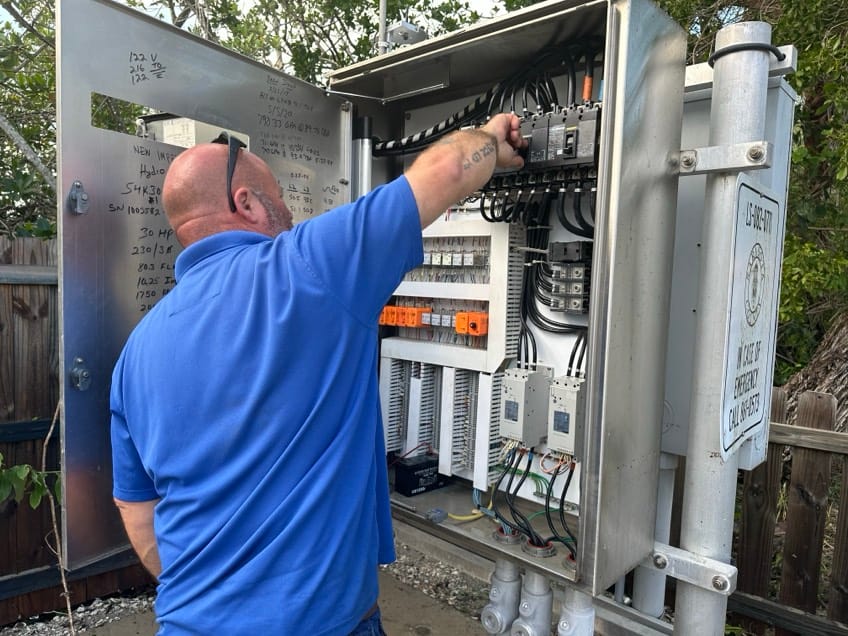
[[97, 613], [435, 578]]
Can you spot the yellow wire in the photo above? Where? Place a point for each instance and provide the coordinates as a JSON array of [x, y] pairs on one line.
[[472, 517]]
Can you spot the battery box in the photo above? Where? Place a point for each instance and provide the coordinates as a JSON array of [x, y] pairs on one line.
[[414, 475]]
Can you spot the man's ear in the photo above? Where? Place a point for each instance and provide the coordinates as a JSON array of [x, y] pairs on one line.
[[248, 206]]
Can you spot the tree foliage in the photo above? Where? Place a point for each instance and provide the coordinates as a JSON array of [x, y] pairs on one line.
[[27, 103], [815, 269]]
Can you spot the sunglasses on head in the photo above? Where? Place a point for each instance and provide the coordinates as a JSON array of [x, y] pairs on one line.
[[233, 144]]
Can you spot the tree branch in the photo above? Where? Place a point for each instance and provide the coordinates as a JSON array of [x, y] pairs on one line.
[[28, 152], [26, 25]]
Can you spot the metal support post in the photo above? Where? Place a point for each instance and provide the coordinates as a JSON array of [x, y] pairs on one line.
[[382, 44], [737, 115], [362, 161], [648, 583]]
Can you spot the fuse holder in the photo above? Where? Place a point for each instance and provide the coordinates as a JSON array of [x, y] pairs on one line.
[[414, 316], [391, 315], [400, 316]]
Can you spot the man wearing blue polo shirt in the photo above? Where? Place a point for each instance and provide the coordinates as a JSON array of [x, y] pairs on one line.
[[248, 457]]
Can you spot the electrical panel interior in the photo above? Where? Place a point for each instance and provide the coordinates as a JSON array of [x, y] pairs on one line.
[[499, 307]]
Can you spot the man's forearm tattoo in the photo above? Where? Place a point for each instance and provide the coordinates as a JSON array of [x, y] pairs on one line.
[[478, 155], [489, 146]]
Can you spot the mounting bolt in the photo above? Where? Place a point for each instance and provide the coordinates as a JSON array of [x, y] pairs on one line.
[[687, 161], [525, 607], [660, 562], [494, 593], [720, 583], [564, 626], [756, 153]]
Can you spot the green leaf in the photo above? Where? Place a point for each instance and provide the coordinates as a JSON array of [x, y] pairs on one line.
[[5, 486], [18, 476], [36, 495]]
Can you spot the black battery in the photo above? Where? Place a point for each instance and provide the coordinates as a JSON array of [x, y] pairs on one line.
[[414, 475]]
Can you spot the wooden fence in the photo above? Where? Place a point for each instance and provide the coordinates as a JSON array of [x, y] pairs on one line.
[[818, 455], [29, 393]]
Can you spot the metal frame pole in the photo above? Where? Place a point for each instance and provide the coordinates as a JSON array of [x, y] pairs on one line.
[[382, 44], [737, 115]]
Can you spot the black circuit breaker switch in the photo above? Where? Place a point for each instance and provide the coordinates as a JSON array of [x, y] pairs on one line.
[[570, 251], [415, 475]]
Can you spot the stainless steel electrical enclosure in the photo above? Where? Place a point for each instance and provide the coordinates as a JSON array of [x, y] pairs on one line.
[[117, 253]]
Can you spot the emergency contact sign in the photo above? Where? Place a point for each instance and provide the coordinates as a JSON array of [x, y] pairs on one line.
[[752, 316]]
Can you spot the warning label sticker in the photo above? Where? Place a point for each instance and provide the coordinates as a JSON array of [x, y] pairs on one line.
[[752, 317]]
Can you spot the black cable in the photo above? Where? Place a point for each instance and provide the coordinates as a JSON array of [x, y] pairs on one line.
[[574, 350], [421, 139], [746, 46], [555, 533], [512, 470], [572, 80], [593, 200], [565, 222], [582, 354], [513, 455], [519, 518], [578, 211], [562, 508]]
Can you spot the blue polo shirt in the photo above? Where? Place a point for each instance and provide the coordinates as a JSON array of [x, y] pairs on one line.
[[247, 400]]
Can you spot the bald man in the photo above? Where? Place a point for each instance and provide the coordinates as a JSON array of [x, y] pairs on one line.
[[248, 457]]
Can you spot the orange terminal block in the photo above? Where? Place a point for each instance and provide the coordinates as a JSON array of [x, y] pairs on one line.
[[414, 314], [461, 326], [391, 315], [478, 323]]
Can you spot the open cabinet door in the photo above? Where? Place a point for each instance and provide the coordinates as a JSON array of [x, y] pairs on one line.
[[132, 93]]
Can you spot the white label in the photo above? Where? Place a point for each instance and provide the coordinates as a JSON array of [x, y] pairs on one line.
[[752, 315]]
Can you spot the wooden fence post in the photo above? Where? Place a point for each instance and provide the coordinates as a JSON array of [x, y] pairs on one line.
[[806, 516], [837, 606], [759, 516]]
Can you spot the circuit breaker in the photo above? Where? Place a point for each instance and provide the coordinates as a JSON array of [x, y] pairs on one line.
[[524, 405], [566, 415]]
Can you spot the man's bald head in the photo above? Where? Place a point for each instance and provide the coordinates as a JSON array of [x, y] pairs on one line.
[[195, 194]]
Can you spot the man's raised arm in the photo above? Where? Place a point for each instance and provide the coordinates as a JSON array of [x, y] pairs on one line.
[[462, 162]]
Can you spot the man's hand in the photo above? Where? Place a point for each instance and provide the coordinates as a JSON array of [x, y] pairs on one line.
[[462, 162], [506, 129]]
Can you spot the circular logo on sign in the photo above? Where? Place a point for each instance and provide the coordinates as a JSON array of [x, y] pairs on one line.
[[755, 279]]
